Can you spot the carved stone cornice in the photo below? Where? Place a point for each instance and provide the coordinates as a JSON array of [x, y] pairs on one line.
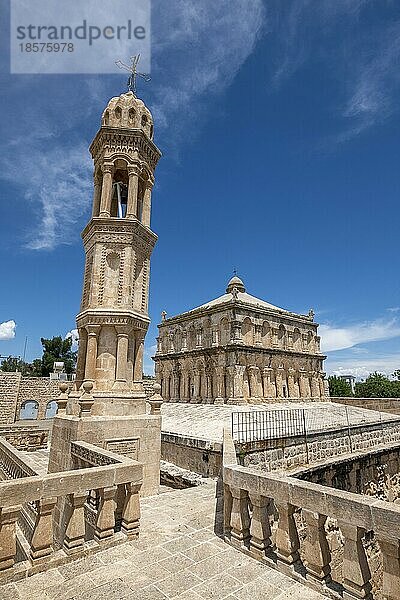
[[131, 142], [239, 348], [122, 231], [98, 317]]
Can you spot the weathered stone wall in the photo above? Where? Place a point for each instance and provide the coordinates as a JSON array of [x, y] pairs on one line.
[[136, 437], [40, 389], [15, 390], [199, 456], [9, 388], [25, 438], [391, 405], [353, 473], [289, 453]]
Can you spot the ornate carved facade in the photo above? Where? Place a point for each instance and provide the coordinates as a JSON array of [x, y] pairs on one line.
[[238, 349]]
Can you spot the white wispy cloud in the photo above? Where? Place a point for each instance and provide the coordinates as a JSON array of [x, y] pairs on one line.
[[73, 334], [361, 368], [339, 338], [200, 46], [57, 183], [301, 25], [374, 88], [7, 330], [365, 65]]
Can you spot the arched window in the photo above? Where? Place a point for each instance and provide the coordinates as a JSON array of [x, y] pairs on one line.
[[310, 342], [247, 332], [282, 337], [119, 191], [178, 340], [29, 410], [131, 116], [225, 334], [296, 339], [51, 410]]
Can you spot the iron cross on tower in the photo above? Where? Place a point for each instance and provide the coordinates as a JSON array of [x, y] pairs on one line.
[[134, 73]]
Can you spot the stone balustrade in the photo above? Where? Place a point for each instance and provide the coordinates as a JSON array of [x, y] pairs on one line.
[[12, 466], [282, 522], [47, 520]]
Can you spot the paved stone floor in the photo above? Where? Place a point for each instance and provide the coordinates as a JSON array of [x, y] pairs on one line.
[[177, 556], [206, 421], [38, 460]]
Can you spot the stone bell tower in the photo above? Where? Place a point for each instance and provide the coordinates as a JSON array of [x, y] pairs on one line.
[[118, 242], [108, 406]]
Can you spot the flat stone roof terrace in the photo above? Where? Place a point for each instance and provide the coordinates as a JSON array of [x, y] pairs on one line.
[[206, 421]]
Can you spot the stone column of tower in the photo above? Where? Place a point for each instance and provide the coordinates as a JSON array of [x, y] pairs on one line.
[[113, 317]]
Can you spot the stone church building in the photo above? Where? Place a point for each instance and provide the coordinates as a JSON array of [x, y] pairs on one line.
[[238, 349]]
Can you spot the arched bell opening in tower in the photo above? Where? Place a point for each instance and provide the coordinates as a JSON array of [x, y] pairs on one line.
[[119, 199]]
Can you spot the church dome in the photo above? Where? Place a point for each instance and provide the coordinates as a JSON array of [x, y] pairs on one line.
[[128, 112], [235, 282]]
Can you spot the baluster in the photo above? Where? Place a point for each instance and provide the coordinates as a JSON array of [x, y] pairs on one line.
[[316, 548], [42, 539], [240, 518], [287, 539], [390, 550], [131, 510], [260, 530], [8, 540], [227, 511], [106, 514], [356, 573], [75, 531]]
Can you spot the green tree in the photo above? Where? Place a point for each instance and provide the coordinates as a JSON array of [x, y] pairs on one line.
[[395, 385], [36, 368], [376, 385], [339, 387], [14, 363], [396, 375], [57, 349]]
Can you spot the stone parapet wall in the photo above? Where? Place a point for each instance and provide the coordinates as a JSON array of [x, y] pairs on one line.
[[26, 438], [391, 405], [354, 472], [293, 452], [198, 456], [9, 388]]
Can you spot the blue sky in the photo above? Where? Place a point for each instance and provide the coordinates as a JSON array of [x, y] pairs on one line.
[[279, 126]]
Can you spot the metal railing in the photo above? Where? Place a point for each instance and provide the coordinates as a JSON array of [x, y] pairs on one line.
[[273, 424], [252, 426]]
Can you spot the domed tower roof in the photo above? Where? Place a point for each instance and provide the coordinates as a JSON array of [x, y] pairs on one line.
[[128, 112], [235, 282]]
